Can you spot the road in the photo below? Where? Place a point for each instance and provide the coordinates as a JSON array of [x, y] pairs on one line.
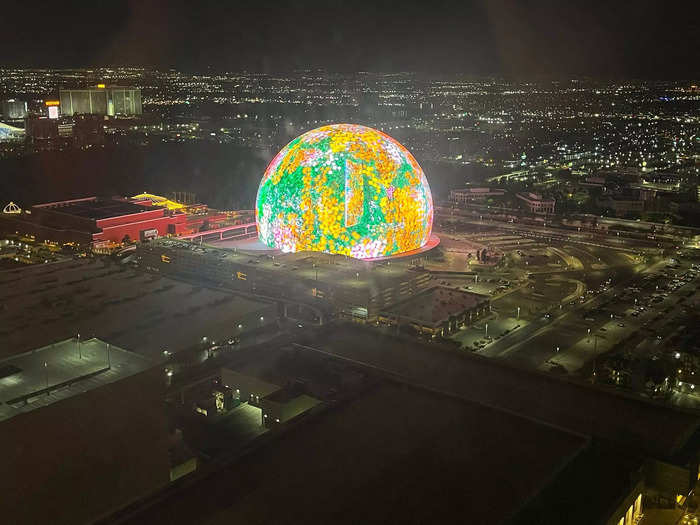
[[540, 337]]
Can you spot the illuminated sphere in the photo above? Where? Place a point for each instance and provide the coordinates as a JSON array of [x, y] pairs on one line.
[[344, 189]]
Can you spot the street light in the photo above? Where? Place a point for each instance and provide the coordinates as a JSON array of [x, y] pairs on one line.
[[518, 313], [486, 330]]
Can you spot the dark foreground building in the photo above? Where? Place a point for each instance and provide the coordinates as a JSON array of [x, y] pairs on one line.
[[82, 432]]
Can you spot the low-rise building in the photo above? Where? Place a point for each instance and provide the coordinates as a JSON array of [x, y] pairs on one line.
[[535, 203], [92, 219], [621, 205], [467, 195], [324, 282], [437, 311], [277, 404]]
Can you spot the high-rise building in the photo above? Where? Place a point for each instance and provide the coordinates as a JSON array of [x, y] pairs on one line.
[[101, 100], [123, 101], [13, 109]]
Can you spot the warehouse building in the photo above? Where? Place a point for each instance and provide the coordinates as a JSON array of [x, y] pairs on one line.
[[437, 311]]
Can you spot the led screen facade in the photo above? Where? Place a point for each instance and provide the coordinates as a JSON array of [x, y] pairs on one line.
[[344, 189]]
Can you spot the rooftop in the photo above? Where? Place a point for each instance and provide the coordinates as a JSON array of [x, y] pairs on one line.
[[437, 304], [338, 270], [95, 208], [64, 369]]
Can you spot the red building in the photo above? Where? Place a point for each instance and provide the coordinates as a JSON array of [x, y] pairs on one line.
[[89, 220]]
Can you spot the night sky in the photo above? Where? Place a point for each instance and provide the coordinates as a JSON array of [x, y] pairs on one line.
[[520, 39]]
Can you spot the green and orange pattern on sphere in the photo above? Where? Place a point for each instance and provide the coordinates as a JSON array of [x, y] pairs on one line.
[[344, 189]]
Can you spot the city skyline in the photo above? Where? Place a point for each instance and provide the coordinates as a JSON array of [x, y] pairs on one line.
[[343, 262]]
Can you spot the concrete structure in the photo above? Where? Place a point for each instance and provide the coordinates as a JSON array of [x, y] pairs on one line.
[[82, 432], [101, 100], [321, 281], [438, 310], [536, 203]]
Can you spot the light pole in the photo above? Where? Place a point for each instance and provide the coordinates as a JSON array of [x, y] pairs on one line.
[[46, 369], [486, 332], [589, 335], [518, 313], [80, 352]]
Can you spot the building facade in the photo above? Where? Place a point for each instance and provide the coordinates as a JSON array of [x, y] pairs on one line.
[[536, 204], [467, 195], [104, 100]]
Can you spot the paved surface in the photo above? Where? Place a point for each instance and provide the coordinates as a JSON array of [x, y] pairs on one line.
[[61, 362], [132, 309]]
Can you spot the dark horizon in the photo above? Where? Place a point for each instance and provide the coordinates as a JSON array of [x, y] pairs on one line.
[[478, 38]]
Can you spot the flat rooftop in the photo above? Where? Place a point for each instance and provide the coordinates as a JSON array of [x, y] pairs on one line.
[[437, 304], [61, 370], [143, 312], [338, 270], [96, 208]]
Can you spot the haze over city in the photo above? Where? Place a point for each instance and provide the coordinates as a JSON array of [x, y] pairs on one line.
[[336, 263]]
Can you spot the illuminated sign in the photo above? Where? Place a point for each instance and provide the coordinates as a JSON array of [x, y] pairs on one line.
[[101, 86], [165, 258], [149, 234], [345, 189], [53, 111], [242, 276], [50, 103]]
